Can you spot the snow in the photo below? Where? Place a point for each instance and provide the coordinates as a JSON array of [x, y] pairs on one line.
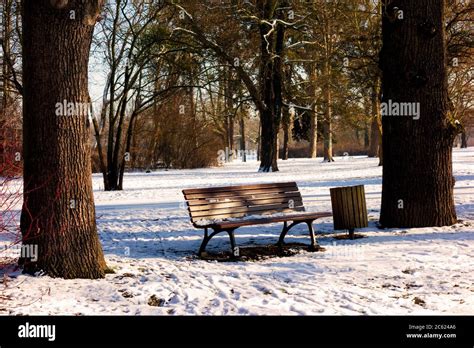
[[150, 243]]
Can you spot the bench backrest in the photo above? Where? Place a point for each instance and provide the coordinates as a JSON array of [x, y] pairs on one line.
[[217, 203]]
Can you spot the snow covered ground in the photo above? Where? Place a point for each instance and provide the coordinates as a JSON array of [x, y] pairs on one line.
[[150, 243]]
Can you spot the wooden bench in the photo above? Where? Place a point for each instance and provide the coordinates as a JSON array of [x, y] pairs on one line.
[[211, 208]]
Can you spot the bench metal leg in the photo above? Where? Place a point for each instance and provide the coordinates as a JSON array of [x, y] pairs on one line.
[[235, 251], [206, 240], [208, 237], [286, 228], [311, 235]]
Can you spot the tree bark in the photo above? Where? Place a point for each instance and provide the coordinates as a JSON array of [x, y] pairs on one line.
[[366, 136], [313, 136], [229, 111], [112, 173], [128, 148], [380, 155], [373, 150], [418, 181], [463, 139], [259, 140], [100, 150], [286, 125], [376, 123], [271, 76], [327, 122], [268, 143], [243, 146], [6, 44], [58, 213], [327, 127]]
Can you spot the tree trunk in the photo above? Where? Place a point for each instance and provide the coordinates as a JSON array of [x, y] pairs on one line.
[[243, 146], [117, 153], [286, 125], [268, 142], [6, 44], [366, 136], [464, 139], [287, 113], [373, 150], [100, 150], [111, 184], [313, 137], [327, 128], [271, 75], [277, 146], [375, 126], [259, 140], [380, 156], [327, 122], [229, 111], [230, 136], [58, 214], [418, 181], [128, 147]]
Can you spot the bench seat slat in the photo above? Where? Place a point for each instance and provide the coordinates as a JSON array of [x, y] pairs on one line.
[[242, 198], [242, 215], [262, 221], [296, 201], [245, 210]]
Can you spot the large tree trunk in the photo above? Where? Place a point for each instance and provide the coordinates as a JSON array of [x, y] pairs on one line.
[[58, 212], [417, 173], [376, 123]]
